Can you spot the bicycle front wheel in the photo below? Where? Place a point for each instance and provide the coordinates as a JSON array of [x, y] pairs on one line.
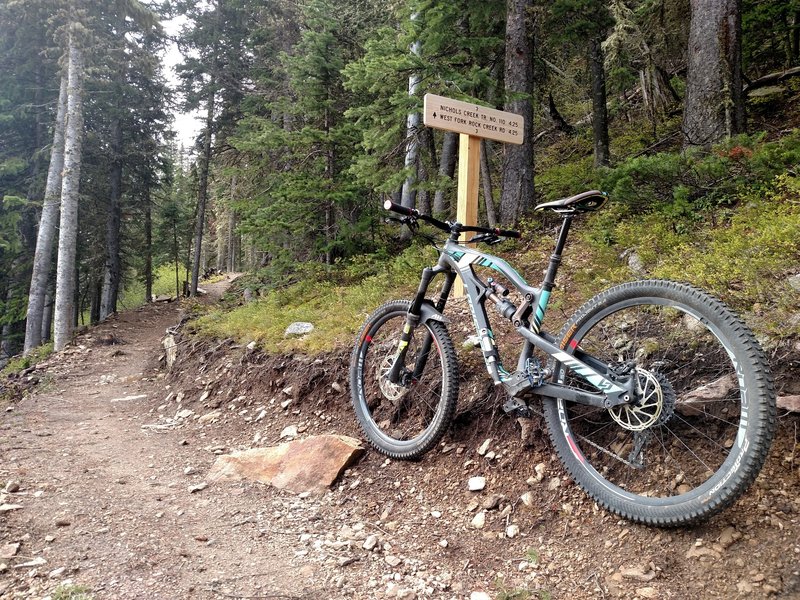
[[406, 419], [701, 427]]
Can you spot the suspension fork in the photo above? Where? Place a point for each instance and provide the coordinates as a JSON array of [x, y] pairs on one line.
[[412, 321], [427, 341]]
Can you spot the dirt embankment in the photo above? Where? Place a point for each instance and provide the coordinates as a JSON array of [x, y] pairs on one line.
[[108, 458]]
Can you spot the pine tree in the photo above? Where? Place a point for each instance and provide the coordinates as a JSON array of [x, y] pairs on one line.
[[459, 45], [585, 24], [29, 90], [217, 35], [714, 106], [68, 226], [517, 190], [42, 261]]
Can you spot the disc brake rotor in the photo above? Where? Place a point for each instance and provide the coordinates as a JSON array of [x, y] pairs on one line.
[[648, 410], [390, 390]]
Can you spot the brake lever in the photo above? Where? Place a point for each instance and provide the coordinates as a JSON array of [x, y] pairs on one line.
[[410, 221], [486, 238]]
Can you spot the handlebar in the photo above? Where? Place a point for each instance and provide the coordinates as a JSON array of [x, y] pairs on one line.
[[446, 226]]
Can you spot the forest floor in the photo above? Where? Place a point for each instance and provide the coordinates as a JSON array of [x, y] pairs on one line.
[[104, 466]]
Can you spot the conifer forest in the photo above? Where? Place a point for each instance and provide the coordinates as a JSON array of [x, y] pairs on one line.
[[309, 117]]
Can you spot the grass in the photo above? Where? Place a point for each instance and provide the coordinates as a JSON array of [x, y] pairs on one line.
[[336, 309], [505, 592], [71, 592], [132, 294], [20, 363], [742, 255], [725, 220], [532, 556]]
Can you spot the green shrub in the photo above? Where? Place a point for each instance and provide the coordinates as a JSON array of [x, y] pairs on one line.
[[680, 185]]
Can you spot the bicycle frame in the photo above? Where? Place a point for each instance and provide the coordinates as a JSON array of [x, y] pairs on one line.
[[455, 259]]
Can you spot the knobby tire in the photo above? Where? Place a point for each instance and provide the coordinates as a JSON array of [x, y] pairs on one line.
[[403, 421], [704, 448]]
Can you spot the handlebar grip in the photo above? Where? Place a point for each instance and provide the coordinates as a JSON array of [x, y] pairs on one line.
[[403, 210], [507, 233]]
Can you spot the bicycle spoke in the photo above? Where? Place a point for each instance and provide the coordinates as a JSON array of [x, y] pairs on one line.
[[406, 409], [688, 441]]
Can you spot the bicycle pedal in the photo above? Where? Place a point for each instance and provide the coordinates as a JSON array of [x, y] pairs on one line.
[[517, 385], [517, 408]]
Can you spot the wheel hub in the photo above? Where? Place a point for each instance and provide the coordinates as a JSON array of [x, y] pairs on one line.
[[391, 391], [653, 407]]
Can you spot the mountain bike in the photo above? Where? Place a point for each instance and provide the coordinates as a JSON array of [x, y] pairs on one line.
[[657, 397]]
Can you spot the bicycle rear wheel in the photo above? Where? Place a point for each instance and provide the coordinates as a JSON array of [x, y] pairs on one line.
[[701, 429], [406, 419]]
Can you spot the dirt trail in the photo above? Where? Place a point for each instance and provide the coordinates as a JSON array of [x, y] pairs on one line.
[[107, 503], [112, 498]]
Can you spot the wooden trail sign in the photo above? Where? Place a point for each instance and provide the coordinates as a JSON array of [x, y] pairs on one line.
[[473, 119], [473, 122]]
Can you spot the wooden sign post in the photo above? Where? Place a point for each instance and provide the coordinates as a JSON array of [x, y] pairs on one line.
[[473, 122]]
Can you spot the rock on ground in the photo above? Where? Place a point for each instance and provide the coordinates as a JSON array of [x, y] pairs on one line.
[[311, 464]]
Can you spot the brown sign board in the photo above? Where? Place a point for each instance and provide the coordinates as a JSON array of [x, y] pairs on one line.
[[473, 119]]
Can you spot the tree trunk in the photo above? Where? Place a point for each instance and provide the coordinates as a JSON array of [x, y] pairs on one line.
[[47, 314], [555, 116], [796, 37], [148, 246], [230, 266], [599, 110], [68, 226], [486, 178], [95, 301], [447, 168], [77, 303], [113, 267], [424, 198], [222, 236], [176, 260], [43, 257], [202, 192], [714, 106], [6, 343], [408, 195], [329, 221], [330, 175], [517, 187], [424, 195]]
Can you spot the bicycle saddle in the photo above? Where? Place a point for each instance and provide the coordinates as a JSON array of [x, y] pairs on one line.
[[580, 203]]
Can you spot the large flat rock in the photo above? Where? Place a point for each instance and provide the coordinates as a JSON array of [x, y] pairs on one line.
[[791, 403], [308, 465]]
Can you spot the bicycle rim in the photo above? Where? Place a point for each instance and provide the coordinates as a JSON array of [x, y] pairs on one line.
[[401, 417], [690, 446]]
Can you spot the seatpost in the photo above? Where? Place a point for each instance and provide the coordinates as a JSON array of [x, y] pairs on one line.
[[555, 258]]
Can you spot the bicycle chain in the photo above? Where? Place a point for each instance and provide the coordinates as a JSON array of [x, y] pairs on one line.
[[591, 443]]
